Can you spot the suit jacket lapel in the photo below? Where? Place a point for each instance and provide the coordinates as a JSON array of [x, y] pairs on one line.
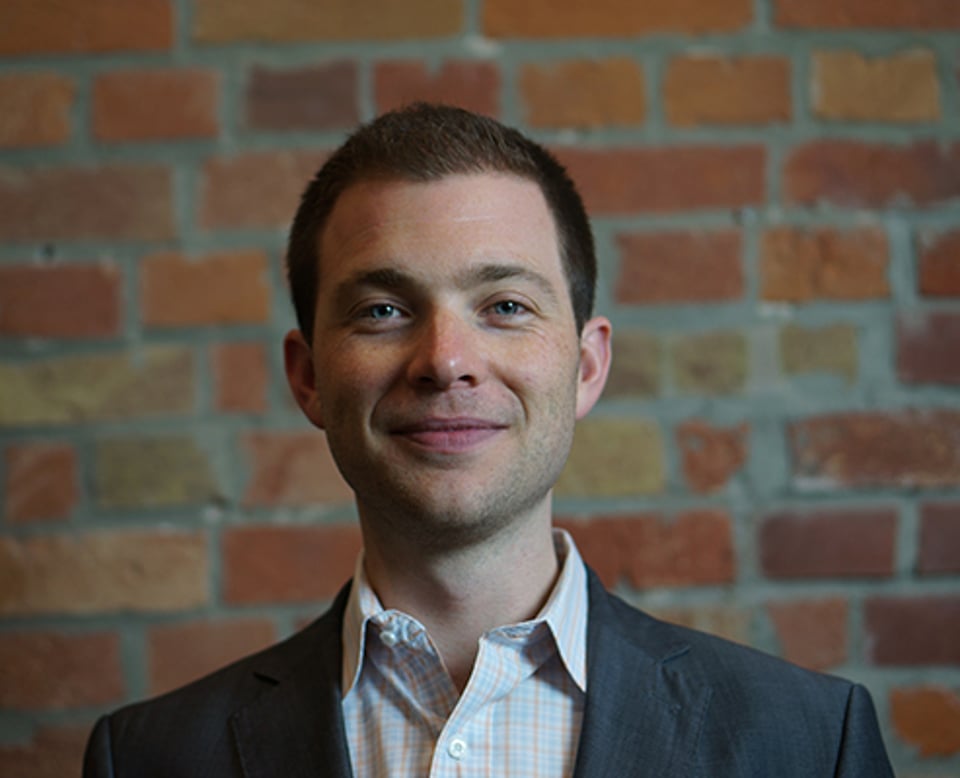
[[642, 718], [295, 727]]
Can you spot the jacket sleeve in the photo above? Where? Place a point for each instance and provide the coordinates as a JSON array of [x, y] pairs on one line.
[[98, 759], [862, 753]]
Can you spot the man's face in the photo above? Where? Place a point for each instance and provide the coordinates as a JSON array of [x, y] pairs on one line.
[[446, 367]]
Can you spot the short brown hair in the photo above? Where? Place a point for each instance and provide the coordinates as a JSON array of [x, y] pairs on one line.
[[426, 142]]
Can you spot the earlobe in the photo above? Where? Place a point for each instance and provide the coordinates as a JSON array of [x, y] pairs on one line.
[[595, 354], [301, 376]]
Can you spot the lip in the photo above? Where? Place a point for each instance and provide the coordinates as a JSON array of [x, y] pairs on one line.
[[449, 435]]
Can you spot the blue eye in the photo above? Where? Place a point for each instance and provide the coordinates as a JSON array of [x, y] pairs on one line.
[[507, 308], [382, 311]]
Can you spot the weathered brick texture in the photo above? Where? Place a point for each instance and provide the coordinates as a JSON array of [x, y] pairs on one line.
[[847, 14], [314, 97], [35, 109], [913, 630], [42, 481], [812, 633], [928, 718], [471, 85], [940, 265]]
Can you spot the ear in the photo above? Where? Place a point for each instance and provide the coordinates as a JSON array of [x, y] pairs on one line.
[[298, 362], [594, 363]]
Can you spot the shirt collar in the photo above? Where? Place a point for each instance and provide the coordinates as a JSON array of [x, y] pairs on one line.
[[565, 614]]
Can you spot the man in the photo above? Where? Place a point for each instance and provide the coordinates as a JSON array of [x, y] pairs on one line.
[[442, 270]]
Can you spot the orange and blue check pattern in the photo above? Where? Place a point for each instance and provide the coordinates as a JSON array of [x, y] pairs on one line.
[[519, 715]]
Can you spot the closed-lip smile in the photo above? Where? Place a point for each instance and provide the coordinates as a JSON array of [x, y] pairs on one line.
[[449, 435]]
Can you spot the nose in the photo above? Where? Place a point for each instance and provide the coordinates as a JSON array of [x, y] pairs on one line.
[[446, 353]]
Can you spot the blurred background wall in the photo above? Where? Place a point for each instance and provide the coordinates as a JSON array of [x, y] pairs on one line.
[[775, 187]]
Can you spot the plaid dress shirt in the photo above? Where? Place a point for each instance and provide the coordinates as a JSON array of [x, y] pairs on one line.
[[521, 710]]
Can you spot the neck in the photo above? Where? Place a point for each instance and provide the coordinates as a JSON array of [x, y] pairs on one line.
[[458, 594]]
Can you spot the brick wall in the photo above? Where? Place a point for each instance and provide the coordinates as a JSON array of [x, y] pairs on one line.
[[776, 193]]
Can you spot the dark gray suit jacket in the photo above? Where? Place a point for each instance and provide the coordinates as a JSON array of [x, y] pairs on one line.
[[662, 701]]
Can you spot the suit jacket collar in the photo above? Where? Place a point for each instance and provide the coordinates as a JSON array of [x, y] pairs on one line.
[[641, 715]]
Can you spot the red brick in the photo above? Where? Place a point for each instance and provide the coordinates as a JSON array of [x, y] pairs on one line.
[[611, 18], [58, 671], [50, 26], [220, 288], [241, 377], [99, 572], [711, 89], [182, 104], [180, 653], [471, 85], [856, 174], [798, 265], [928, 718], [939, 550], [119, 202], [828, 543], [668, 267], [287, 564], [314, 97], [52, 753], [661, 180], [847, 14], [256, 189], [42, 481], [60, 301], [583, 93], [811, 633], [928, 346], [900, 88], [693, 548], [904, 449], [292, 468], [711, 455], [35, 109], [913, 630], [278, 21], [940, 265]]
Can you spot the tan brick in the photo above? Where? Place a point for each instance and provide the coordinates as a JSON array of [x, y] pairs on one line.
[[798, 264], [830, 349], [42, 481], [614, 458], [220, 288], [278, 21], [292, 468], [856, 450], [928, 718], [940, 265], [97, 387], [119, 202], [58, 671], [314, 97], [35, 109], [584, 93], [180, 653], [150, 472], [241, 376], [60, 301], [256, 189], [693, 548], [900, 88], [103, 572], [611, 18], [709, 363], [53, 752], [288, 564], [50, 27], [182, 104], [811, 633], [852, 173], [712, 89], [662, 267], [728, 622], [471, 85], [711, 455], [661, 180], [847, 14], [635, 370]]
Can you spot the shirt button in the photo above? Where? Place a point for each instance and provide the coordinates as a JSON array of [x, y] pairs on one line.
[[389, 638], [457, 748]]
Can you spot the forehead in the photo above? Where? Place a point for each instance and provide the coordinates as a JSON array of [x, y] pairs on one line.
[[459, 218]]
